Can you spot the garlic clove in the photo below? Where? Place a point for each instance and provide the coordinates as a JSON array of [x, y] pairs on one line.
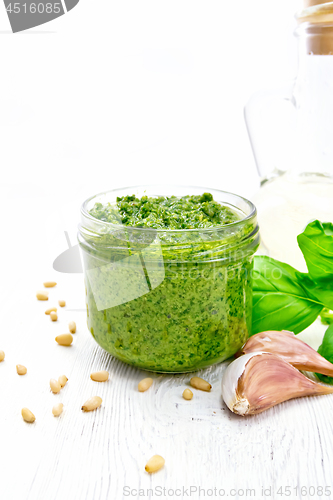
[[257, 381], [290, 348]]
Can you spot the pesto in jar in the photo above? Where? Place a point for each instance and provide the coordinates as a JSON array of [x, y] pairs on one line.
[[187, 212], [168, 280]]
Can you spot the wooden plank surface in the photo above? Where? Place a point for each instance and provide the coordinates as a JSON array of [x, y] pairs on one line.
[[101, 455]]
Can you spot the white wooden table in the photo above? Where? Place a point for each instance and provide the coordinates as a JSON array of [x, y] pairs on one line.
[[101, 455]]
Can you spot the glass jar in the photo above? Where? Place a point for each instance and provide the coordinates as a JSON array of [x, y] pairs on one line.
[[169, 300]]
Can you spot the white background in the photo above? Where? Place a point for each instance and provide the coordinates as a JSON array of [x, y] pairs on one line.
[[124, 92]]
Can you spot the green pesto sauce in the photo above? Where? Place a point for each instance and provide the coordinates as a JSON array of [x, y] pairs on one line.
[[193, 312], [187, 212]]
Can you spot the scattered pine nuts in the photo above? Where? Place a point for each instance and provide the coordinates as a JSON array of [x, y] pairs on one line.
[[55, 386], [144, 384], [2, 356], [49, 284], [57, 409], [64, 339], [53, 316], [42, 295], [27, 415], [48, 311], [200, 383], [154, 464], [62, 380], [62, 303], [21, 370], [188, 394], [72, 326], [92, 404], [102, 376]]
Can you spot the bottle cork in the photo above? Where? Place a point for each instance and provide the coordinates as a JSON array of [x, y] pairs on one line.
[[311, 3], [317, 19]]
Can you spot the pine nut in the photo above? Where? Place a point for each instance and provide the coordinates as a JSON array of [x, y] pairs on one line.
[[55, 386], [62, 303], [42, 295], [154, 464], [2, 356], [92, 404], [72, 326], [100, 376], [64, 339], [21, 370], [57, 409], [62, 380], [53, 316], [48, 311], [49, 284], [27, 415], [144, 384], [201, 384], [188, 394]]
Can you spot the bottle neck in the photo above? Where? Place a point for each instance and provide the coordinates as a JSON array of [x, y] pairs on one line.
[[313, 99]]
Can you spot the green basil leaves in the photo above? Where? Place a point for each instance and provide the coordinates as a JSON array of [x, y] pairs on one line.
[[285, 299], [280, 302], [316, 243]]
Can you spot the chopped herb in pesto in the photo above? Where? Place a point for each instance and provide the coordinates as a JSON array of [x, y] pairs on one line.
[[187, 212]]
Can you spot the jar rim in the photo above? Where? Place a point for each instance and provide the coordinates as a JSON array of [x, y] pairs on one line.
[[253, 211]]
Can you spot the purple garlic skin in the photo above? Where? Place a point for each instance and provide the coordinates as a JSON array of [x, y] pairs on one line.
[[293, 350], [256, 382]]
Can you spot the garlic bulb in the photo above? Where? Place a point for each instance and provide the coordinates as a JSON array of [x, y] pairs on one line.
[[290, 348], [257, 381]]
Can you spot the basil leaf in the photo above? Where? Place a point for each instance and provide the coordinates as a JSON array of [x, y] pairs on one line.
[[316, 291], [326, 350], [316, 244], [279, 301]]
